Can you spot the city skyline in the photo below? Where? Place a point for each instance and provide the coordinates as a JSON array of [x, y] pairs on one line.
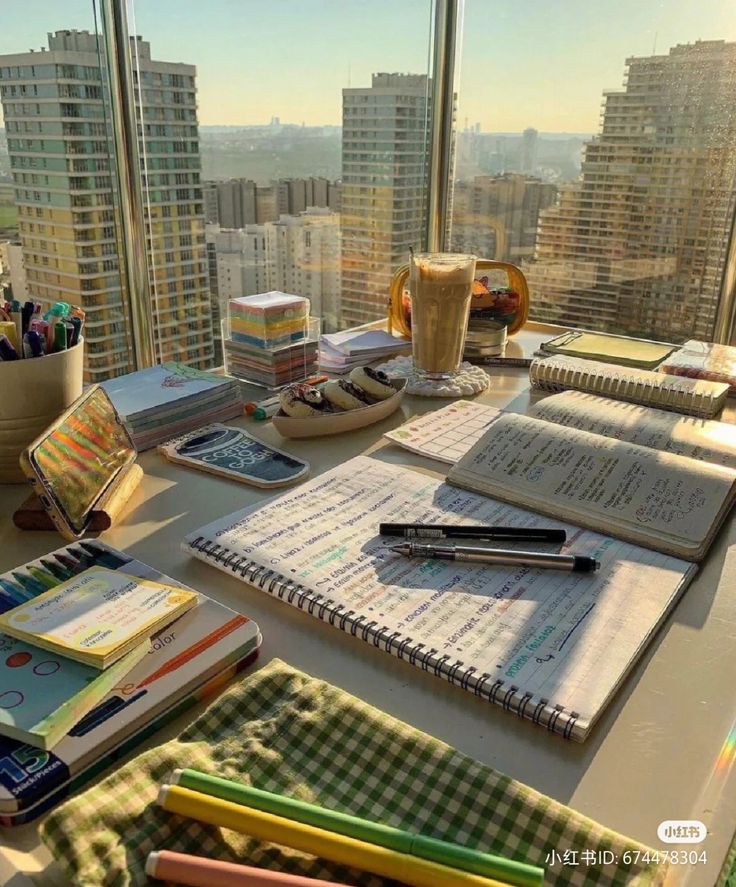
[[540, 66]]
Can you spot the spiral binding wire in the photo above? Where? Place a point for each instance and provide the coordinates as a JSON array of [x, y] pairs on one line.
[[640, 386], [554, 717]]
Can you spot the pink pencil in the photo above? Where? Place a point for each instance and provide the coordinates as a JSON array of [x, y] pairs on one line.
[[196, 871]]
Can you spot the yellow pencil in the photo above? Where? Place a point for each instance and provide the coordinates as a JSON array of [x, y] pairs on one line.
[[328, 845]]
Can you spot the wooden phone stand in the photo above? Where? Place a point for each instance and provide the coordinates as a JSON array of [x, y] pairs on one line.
[[32, 516]]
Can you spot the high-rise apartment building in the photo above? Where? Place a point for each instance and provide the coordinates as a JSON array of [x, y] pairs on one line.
[[60, 153], [496, 217], [384, 154], [242, 202], [638, 245], [297, 195]]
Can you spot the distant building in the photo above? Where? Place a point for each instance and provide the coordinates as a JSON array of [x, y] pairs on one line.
[[235, 203], [60, 149], [383, 188], [297, 195], [639, 245], [496, 217], [529, 151]]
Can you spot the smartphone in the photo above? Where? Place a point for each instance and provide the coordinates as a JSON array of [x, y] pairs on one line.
[[77, 459], [233, 453]]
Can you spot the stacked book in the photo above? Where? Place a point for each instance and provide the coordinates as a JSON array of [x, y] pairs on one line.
[[341, 352], [164, 401], [271, 367], [134, 649]]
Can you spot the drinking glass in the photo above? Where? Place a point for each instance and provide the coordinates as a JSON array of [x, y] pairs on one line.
[[441, 287]]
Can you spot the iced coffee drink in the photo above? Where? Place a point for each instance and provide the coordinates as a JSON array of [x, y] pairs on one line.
[[441, 287]]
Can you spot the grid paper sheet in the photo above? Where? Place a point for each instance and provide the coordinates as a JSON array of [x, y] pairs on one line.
[[446, 434]]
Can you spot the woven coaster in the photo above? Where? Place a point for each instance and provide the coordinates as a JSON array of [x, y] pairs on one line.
[[470, 379]]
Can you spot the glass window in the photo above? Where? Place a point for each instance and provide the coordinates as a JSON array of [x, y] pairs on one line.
[[596, 150]]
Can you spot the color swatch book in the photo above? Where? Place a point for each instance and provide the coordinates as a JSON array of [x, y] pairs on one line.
[[526, 639], [449, 433], [98, 616], [692, 397], [161, 402], [703, 360], [43, 696], [185, 662]]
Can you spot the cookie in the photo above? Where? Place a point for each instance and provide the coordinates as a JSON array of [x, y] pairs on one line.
[[346, 395], [373, 382], [302, 400]]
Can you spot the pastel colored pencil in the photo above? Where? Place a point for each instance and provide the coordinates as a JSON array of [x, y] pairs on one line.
[[337, 848], [197, 871], [447, 853]]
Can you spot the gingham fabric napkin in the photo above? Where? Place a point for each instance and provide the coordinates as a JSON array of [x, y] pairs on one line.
[[284, 731]]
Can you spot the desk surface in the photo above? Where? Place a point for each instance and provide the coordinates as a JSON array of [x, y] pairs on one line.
[[664, 748]]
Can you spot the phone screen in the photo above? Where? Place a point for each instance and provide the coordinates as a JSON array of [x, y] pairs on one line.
[[80, 457]]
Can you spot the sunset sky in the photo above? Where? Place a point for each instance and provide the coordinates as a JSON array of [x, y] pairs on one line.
[[524, 62]]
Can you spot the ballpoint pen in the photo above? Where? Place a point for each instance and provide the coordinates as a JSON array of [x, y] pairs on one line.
[[471, 531], [481, 554]]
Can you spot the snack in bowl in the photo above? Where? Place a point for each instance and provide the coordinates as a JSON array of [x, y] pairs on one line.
[[302, 401], [346, 395], [374, 382]]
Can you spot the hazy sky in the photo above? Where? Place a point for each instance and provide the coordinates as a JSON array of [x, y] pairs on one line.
[[541, 63]]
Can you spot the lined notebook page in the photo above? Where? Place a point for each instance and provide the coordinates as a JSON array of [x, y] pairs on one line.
[[703, 439], [541, 631], [690, 396], [654, 498]]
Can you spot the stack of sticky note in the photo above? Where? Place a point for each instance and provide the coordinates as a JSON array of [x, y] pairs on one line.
[[269, 320]]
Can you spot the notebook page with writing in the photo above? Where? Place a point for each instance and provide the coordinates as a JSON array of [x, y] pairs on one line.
[[692, 397], [703, 439], [667, 502], [530, 640]]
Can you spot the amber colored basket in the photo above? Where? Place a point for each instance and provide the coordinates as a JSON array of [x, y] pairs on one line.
[[398, 316]]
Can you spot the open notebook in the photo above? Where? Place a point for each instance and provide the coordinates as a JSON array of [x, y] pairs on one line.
[[693, 397], [548, 645]]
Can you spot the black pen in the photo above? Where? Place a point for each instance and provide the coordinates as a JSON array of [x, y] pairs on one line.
[[454, 531], [497, 556]]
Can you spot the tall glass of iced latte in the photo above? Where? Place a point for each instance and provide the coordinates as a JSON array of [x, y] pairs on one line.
[[441, 286]]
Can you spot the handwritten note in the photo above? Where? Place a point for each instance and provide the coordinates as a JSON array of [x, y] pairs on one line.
[[702, 439], [655, 498], [541, 631]]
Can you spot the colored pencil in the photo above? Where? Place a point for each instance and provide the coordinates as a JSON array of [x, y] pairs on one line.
[[336, 848], [444, 852], [197, 871]]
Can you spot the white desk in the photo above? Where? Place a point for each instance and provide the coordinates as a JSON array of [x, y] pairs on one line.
[[665, 747]]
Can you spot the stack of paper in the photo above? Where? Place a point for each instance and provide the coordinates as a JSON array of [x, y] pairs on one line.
[[341, 352], [279, 366], [164, 401]]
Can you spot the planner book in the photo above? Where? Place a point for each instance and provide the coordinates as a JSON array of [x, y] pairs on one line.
[[693, 397], [184, 663], [98, 616], [548, 645], [43, 696]]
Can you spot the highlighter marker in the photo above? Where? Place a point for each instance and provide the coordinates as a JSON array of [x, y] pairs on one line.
[[29, 583], [17, 592], [76, 323], [103, 557], [61, 572], [59, 336], [84, 560], [26, 314], [41, 576], [7, 352], [68, 562]]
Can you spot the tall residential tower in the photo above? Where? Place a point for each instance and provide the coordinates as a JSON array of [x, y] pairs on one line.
[[638, 245], [383, 188], [60, 149]]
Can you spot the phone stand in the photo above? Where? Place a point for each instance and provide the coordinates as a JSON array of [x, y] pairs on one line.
[[32, 516]]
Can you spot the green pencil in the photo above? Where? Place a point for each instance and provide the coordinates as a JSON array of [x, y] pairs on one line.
[[520, 874]]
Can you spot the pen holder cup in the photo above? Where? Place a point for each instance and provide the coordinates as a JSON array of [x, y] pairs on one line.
[[33, 393]]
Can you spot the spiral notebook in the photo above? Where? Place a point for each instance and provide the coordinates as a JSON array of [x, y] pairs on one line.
[[547, 645], [693, 397]]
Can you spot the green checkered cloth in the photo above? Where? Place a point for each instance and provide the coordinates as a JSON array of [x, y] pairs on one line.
[[284, 731]]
